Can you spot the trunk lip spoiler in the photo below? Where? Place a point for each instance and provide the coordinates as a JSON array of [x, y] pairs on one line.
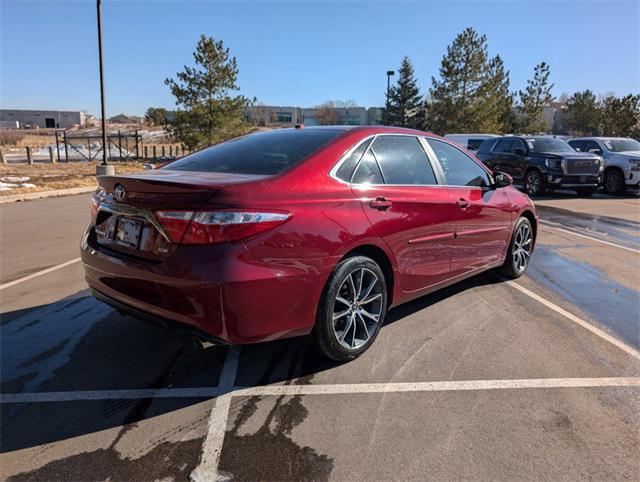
[[127, 210]]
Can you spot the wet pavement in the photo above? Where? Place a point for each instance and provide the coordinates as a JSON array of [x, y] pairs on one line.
[[124, 400]]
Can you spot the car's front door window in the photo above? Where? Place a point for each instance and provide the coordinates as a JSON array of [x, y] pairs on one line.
[[459, 169]]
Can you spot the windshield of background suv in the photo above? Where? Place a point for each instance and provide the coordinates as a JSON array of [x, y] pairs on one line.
[[266, 153], [621, 145], [543, 144]]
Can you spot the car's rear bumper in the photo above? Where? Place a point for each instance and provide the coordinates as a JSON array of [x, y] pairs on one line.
[[219, 290]]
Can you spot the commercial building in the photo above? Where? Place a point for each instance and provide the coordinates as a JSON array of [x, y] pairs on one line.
[[273, 116], [42, 118]]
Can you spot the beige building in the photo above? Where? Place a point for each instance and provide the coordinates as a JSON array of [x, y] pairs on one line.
[[26, 119]]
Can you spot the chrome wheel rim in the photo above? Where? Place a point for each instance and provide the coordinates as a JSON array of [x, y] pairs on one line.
[[522, 245], [533, 182], [357, 308]]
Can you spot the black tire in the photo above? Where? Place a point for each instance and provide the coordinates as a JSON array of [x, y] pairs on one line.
[[324, 336], [511, 269], [534, 183], [586, 191], [613, 182]]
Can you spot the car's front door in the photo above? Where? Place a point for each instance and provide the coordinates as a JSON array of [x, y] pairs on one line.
[[397, 186], [482, 215]]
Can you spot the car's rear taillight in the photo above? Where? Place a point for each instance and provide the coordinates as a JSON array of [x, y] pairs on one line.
[[211, 227], [96, 199]]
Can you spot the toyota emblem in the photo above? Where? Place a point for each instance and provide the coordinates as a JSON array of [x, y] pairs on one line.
[[120, 193]]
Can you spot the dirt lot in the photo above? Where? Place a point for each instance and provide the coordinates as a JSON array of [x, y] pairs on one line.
[[48, 176]]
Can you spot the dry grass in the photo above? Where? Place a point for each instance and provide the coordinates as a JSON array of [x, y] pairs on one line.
[[47, 176], [10, 137]]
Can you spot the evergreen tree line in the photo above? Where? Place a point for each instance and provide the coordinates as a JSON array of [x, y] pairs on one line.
[[471, 94]]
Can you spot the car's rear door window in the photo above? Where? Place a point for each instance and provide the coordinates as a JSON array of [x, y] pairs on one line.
[[459, 169], [403, 160], [345, 171], [368, 171], [266, 153], [503, 145]]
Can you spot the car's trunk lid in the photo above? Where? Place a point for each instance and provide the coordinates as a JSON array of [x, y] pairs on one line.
[[125, 221]]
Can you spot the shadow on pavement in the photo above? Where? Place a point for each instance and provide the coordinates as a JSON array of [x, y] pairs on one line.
[[80, 344]]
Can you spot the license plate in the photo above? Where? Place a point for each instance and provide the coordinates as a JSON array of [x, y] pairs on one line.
[[128, 232]]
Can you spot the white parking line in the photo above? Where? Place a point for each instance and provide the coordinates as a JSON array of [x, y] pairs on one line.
[[218, 414], [88, 395], [557, 227], [579, 321], [38, 273], [207, 469]]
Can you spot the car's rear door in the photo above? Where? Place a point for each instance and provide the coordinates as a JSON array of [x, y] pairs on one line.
[[500, 159], [482, 215], [407, 208]]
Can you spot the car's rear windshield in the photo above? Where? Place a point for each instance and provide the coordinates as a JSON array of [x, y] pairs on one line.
[[548, 144], [266, 153]]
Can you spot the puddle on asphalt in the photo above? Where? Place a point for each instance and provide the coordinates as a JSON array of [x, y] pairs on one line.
[[244, 457], [626, 232], [593, 291], [167, 461]]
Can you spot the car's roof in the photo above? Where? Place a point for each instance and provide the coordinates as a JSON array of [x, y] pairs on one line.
[[599, 138], [477, 134]]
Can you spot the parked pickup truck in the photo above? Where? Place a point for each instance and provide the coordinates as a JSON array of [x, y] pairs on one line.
[[621, 160], [541, 163]]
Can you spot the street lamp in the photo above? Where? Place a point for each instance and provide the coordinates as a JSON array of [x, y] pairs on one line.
[[103, 169], [386, 110]]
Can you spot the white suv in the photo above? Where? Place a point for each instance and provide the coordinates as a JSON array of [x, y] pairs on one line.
[[621, 160]]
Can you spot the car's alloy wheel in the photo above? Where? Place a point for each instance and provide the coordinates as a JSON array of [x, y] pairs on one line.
[[614, 182], [522, 247], [520, 250], [352, 309], [357, 308], [533, 183]]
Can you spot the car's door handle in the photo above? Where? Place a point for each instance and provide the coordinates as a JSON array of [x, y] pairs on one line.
[[380, 203], [462, 203]]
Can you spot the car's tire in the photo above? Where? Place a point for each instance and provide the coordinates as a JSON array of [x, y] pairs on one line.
[[534, 183], [342, 331], [520, 250], [586, 191], [613, 182]]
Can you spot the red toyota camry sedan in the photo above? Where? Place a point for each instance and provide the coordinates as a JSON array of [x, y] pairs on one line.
[[306, 231]]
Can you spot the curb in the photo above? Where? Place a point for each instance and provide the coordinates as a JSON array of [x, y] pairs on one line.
[[28, 196]]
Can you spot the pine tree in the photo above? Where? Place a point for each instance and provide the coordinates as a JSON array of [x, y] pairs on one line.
[[620, 116], [472, 93], [583, 114], [206, 112], [405, 102], [534, 99]]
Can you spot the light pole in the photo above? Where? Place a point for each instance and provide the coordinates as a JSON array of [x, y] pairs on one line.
[[103, 168], [386, 109]]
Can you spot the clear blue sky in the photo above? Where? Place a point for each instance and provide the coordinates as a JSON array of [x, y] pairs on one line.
[[301, 53]]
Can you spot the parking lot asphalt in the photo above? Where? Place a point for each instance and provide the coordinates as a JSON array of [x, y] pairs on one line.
[[533, 379]]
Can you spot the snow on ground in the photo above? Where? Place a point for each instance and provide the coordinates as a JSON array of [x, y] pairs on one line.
[[10, 182]]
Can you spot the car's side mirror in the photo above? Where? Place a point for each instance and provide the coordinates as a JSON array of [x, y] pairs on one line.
[[595, 151], [501, 179], [518, 152]]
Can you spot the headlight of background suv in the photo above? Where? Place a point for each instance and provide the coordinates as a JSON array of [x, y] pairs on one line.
[[553, 163], [601, 164], [635, 164]]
